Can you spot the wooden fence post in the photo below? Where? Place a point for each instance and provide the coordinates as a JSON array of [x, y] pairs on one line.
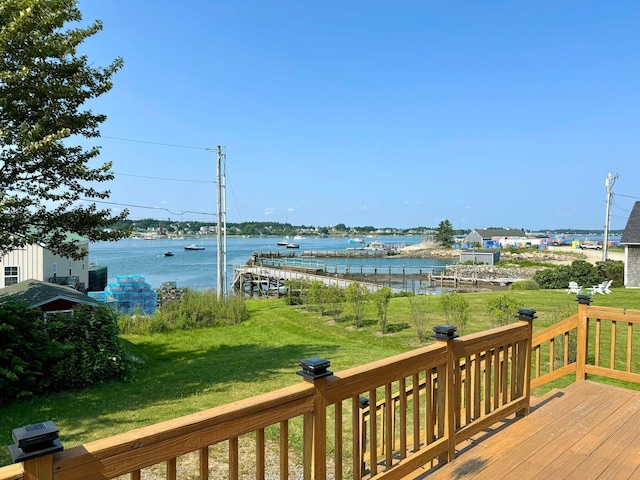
[[583, 336], [314, 370], [34, 447], [523, 387], [447, 333]]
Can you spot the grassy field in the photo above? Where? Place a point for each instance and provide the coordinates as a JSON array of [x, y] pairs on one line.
[[188, 371]]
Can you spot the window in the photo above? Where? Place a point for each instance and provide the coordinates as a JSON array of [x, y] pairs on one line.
[[10, 276]]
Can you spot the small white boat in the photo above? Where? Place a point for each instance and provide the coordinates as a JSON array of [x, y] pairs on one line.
[[292, 245], [193, 246]]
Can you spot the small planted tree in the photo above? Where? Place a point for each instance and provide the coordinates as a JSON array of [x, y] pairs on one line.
[[357, 298], [381, 300], [334, 298], [419, 307], [316, 296], [456, 310], [503, 309]]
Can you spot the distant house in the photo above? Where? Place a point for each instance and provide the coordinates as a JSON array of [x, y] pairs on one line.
[[48, 297], [39, 263], [503, 237], [631, 242]]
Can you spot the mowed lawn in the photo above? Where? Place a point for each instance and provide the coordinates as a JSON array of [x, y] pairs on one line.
[[188, 371]]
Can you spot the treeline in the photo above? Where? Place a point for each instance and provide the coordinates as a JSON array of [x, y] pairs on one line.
[[172, 226]]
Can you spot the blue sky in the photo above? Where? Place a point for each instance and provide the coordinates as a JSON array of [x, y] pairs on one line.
[[390, 114]]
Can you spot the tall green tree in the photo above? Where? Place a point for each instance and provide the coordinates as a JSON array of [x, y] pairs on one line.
[[444, 233], [45, 85]]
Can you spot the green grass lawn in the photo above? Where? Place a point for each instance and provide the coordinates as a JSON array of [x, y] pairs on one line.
[[187, 371]]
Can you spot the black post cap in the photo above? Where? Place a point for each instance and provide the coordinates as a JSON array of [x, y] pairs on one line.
[[313, 368], [583, 299], [34, 441], [445, 332], [364, 402], [526, 314]]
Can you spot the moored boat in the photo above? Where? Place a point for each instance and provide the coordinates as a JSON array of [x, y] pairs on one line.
[[193, 246], [168, 254]]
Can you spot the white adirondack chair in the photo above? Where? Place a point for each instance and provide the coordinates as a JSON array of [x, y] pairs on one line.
[[574, 288], [602, 289]]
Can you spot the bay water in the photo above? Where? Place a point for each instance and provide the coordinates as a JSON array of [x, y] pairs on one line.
[[198, 268]]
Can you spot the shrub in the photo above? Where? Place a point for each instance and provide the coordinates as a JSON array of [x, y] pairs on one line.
[[579, 271], [87, 348], [23, 352], [503, 309], [334, 298], [297, 291], [612, 270], [456, 310], [67, 351], [381, 301], [524, 285], [419, 305], [357, 297], [194, 310]]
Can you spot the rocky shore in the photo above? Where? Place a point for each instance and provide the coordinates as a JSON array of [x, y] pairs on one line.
[[558, 256]]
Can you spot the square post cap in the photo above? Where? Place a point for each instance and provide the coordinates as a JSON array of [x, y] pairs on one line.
[[445, 332], [314, 368], [526, 314], [583, 299], [34, 441]]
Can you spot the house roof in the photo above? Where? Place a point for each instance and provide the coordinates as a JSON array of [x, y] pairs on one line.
[[631, 234], [500, 232], [37, 293]]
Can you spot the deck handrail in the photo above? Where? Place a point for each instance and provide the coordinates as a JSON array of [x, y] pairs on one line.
[[388, 417]]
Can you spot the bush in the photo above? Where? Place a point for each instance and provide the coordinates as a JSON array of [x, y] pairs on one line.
[[66, 351], [87, 348], [579, 271], [23, 352], [524, 285], [194, 310], [612, 270], [503, 309], [456, 310]]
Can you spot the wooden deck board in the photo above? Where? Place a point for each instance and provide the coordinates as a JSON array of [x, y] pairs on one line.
[[588, 430]]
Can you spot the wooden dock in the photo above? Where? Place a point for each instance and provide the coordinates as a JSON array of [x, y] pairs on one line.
[[270, 281]]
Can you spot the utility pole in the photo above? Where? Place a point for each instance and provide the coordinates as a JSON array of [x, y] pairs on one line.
[[221, 230], [611, 179]]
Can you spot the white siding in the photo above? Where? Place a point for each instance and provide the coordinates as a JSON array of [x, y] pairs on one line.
[[36, 262]]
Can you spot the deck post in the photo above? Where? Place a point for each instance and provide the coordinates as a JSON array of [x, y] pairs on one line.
[[34, 447], [523, 388], [583, 336], [315, 370], [447, 333]]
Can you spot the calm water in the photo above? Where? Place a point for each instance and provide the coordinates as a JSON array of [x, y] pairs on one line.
[[198, 269]]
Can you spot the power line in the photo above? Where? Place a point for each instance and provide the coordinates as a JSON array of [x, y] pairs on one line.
[[156, 143], [162, 178], [149, 208]]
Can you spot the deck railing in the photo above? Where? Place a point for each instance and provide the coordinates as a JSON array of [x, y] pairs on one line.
[[383, 420], [588, 343]]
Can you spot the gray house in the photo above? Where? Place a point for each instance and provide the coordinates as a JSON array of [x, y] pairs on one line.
[[502, 236], [631, 242]]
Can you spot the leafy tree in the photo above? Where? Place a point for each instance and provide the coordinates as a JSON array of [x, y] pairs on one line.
[[503, 309], [334, 297], [419, 306], [44, 87], [444, 233], [456, 310], [381, 300], [357, 297]]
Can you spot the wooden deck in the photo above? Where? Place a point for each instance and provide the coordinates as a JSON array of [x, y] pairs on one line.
[[585, 431]]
